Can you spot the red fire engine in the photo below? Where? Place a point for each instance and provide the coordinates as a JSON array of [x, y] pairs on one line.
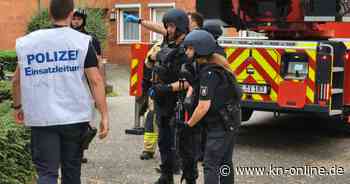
[[300, 66]]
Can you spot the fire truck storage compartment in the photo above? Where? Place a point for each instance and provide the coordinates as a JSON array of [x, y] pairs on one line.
[[219, 10], [320, 10], [294, 66]]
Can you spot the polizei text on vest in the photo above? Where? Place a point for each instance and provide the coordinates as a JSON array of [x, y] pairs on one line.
[[62, 61]]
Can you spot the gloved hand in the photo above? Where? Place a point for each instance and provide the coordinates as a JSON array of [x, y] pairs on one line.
[[131, 18], [188, 103], [181, 124], [152, 93], [159, 90]]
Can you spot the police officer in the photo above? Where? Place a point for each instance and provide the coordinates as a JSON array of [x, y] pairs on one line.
[[51, 96], [218, 106], [172, 56], [168, 64], [214, 28], [196, 20], [79, 22]]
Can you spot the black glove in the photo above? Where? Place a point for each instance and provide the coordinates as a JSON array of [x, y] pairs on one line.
[[181, 124], [161, 89], [187, 72], [188, 103]]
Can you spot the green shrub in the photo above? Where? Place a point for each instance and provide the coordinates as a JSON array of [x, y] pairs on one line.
[[9, 59], [41, 20], [94, 24], [15, 160], [5, 90]]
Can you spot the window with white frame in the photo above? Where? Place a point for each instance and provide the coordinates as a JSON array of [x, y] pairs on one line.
[[157, 13], [129, 32]]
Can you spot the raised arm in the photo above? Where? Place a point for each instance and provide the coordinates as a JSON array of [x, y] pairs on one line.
[[152, 26]]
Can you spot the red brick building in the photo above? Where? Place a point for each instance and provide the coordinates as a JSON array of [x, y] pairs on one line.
[[15, 14]]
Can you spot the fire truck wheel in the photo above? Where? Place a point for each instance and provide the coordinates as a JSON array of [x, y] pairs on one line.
[[246, 114]]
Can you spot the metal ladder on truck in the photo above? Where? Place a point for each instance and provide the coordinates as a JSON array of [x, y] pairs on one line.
[[336, 78]]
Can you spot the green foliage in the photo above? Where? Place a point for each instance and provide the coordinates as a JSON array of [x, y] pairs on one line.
[[41, 20], [5, 90], [15, 160], [8, 58], [96, 25]]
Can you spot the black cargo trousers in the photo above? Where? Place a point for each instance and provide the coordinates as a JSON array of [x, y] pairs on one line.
[[218, 165], [58, 146], [189, 145]]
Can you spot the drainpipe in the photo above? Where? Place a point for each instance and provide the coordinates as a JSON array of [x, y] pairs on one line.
[[39, 5]]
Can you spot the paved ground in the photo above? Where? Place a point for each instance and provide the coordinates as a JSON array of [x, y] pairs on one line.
[[290, 141]]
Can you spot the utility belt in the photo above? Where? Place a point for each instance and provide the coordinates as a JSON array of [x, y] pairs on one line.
[[231, 116]]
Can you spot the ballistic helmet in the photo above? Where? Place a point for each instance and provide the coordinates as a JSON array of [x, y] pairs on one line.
[[213, 27], [203, 42], [179, 18]]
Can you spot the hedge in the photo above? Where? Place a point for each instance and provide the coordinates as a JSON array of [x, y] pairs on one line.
[[9, 59], [15, 159], [95, 23], [5, 90], [41, 20]]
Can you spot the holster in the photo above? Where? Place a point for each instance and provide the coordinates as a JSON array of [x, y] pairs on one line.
[[87, 137], [231, 115]]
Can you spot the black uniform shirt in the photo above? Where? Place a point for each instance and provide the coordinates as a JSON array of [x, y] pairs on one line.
[[208, 90], [91, 59], [97, 45]]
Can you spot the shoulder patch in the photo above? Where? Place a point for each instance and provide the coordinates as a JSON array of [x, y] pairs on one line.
[[204, 91]]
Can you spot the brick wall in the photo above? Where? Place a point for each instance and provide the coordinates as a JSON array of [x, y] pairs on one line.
[[120, 53], [15, 15]]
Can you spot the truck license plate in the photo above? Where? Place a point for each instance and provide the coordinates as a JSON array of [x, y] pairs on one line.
[[252, 88]]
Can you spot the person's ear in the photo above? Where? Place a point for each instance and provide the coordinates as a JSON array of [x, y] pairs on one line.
[[70, 15]]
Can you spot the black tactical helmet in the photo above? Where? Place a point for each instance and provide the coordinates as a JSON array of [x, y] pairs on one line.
[[179, 18], [203, 42], [213, 27], [80, 13]]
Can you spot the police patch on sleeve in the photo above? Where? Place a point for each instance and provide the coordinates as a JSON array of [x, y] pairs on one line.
[[204, 91]]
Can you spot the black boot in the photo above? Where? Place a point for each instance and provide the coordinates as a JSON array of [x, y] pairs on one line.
[[84, 160], [165, 179], [177, 169], [146, 155], [191, 182]]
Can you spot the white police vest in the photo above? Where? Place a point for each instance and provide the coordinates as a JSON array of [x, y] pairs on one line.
[[54, 90]]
